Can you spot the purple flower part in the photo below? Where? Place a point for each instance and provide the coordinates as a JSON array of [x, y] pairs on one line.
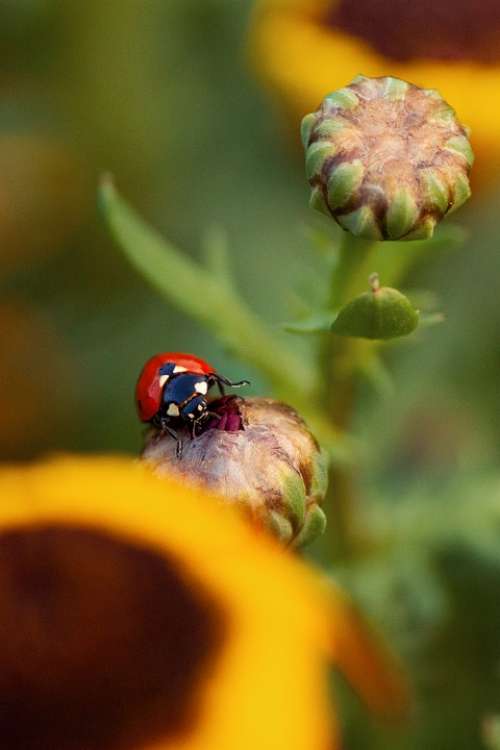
[[233, 422], [221, 425], [228, 413]]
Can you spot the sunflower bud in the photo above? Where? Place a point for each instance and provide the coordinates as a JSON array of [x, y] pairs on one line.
[[259, 454], [386, 159]]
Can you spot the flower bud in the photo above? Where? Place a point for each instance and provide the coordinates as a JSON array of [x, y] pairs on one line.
[[386, 159], [382, 313], [259, 454]]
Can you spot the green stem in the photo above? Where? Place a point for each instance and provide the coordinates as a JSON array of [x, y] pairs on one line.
[[338, 359], [354, 253]]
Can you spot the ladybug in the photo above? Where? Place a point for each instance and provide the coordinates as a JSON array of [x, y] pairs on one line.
[[172, 390]]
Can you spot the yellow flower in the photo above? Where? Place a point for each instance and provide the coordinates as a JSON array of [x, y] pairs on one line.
[[138, 614], [305, 48]]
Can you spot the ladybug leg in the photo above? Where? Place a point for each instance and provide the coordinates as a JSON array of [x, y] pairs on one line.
[[194, 425], [214, 415], [166, 428]]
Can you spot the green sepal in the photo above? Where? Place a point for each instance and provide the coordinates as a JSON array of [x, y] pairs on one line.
[[424, 229], [395, 89], [329, 127], [306, 127], [445, 114], [436, 191], [316, 155], [319, 480], [343, 98], [361, 223], [384, 313], [314, 526], [343, 181], [433, 94], [401, 214], [461, 192], [461, 145], [360, 78], [279, 526], [294, 500], [317, 201]]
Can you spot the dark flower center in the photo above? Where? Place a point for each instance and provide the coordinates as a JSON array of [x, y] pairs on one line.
[[102, 642], [435, 29]]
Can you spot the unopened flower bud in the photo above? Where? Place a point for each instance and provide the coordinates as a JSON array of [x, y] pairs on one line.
[[259, 454], [382, 313], [386, 159]]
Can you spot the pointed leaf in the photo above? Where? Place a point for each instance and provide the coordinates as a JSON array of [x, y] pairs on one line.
[[316, 323]]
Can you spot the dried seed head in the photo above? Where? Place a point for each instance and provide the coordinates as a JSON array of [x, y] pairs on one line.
[[260, 455], [386, 159]]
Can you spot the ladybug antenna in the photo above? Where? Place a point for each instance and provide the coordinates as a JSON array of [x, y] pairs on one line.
[[224, 381]]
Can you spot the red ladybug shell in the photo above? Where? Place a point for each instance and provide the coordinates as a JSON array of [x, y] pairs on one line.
[[148, 389]]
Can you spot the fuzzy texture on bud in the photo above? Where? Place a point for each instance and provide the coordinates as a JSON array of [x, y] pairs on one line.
[[386, 159], [258, 454], [382, 313]]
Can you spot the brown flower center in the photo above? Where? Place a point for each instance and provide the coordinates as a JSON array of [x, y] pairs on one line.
[[102, 642], [436, 29]]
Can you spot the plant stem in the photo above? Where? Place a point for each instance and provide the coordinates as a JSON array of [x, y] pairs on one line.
[[338, 361]]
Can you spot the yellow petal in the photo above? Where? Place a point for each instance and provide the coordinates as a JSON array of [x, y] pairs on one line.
[[265, 688]]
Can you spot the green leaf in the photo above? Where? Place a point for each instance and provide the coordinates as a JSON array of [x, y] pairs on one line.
[[319, 322], [424, 299], [206, 297], [428, 304], [429, 320], [215, 246]]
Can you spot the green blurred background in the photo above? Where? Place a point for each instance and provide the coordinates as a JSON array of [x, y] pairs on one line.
[[162, 95]]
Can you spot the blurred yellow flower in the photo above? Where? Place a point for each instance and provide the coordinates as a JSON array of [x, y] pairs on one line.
[[136, 613], [305, 48]]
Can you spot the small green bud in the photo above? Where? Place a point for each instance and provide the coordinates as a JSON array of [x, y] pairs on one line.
[[386, 159], [270, 465], [383, 313]]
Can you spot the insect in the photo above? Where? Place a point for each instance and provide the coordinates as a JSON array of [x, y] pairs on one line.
[[172, 390]]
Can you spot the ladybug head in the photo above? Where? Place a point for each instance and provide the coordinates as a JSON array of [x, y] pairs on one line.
[[195, 410]]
